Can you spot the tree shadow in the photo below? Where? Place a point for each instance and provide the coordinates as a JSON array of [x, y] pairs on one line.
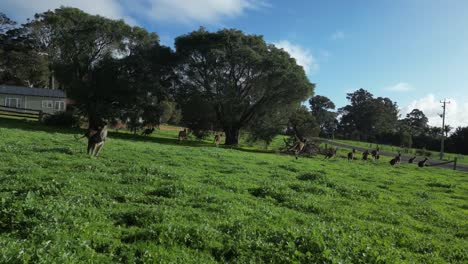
[[160, 140], [36, 126]]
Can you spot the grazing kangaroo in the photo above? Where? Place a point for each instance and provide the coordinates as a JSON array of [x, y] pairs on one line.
[[376, 153], [182, 135], [352, 155], [396, 160], [411, 160], [422, 163], [148, 131], [365, 155], [96, 139], [217, 139], [331, 152]]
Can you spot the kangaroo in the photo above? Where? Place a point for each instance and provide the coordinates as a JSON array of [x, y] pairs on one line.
[[396, 160], [96, 139], [217, 139], [411, 160], [331, 152], [375, 153], [182, 135], [422, 163], [365, 155], [148, 131], [352, 155]]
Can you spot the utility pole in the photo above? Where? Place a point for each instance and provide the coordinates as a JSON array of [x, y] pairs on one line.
[[444, 104]]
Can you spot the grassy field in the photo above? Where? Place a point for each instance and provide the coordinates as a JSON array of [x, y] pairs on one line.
[[151, 200], [407, 151]]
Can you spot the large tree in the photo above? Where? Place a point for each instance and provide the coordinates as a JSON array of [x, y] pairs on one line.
[[80, 47], [239, 75], [107, 67]]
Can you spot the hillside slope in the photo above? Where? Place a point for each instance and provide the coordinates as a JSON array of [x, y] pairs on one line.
[[153, 200]]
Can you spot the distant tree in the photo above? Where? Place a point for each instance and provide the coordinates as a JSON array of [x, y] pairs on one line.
[[368, 116], [447, 129], [458, 141], [406, 139], [239, 76], [417, 122], [320, 107], [302, 124], [434, 132]]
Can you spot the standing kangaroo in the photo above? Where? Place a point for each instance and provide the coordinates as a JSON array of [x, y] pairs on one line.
[[217, 139], [96, 139], [376, 153], [352, 155], [182, 135], [365, 155]]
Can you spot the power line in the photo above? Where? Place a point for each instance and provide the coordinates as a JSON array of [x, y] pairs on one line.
[[444, 105]]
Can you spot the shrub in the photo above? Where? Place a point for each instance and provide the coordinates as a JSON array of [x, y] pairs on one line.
[[422, 152], [200, 134], [61, 119]]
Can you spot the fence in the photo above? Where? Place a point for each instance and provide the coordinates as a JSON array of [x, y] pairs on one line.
[[21, 113], [454, 161]]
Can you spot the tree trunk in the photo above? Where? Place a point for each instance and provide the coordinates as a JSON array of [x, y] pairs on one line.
[[232, 136], [94, 121]]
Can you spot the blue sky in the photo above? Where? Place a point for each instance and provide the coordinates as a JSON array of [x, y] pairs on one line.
[[413, 51]]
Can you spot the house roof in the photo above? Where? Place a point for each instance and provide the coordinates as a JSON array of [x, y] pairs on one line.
[[21, 90]]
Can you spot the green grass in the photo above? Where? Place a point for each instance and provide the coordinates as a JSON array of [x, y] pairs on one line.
[[462, 159], [155, 201]]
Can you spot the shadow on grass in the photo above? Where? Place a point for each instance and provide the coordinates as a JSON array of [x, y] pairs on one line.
[[160, 140], [36, 126], [54, 150]]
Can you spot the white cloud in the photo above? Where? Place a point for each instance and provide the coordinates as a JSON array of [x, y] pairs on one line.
[[399, 87], [208, 11], [174, 11], [338, 35], [456, 113], [303, 56]]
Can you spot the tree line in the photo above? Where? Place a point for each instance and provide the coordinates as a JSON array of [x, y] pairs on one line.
[[378, 120], [212, 81]]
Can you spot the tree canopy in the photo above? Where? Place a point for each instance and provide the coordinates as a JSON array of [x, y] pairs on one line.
[[326, 119], [239, 75], [367, 116], [417, 122]]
